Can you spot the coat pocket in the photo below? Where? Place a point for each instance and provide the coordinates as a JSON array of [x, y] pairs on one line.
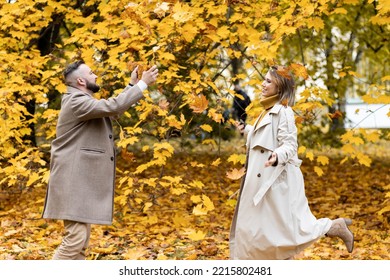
[[92, 150]]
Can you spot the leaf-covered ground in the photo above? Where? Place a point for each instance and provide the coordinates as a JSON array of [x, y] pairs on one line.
[[169, 230]]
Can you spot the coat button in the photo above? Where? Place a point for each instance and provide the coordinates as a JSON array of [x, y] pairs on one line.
[[258, 175], [110, 136], [112, 158], [262, 151]]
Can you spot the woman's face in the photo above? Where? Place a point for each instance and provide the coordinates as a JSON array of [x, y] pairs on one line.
[[269, 86]]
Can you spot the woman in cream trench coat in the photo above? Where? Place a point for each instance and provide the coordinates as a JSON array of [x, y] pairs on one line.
[[272, 219]]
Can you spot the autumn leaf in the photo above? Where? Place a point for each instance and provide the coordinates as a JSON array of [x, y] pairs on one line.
[[209, 205], [196, 235], [299, 70], [336, 115], [161, 9], [163, 104], [324, 160], [199, 210], [206, 127], [310, 155], [284, 72], [318, 171], [301, 150], [237, 158], [216, 162], [284, 102], [235, 174], [199, 103]]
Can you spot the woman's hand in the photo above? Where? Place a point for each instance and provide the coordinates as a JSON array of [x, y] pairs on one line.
[[240, 126], [271, 160]]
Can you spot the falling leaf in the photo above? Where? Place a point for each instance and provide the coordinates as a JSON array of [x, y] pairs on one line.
[[284, 102], [336, 115], [237, 158], [235, 174], [324, 160], [299, 70], [318, 170], [301, 150], [310, 155]]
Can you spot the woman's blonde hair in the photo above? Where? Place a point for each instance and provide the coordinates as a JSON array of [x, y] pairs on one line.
[[285, 84]]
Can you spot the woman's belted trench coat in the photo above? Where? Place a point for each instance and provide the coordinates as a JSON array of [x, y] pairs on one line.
[[82, 165], [272, 219]]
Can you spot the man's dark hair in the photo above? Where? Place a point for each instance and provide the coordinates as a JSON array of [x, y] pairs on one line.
[[72, 67]]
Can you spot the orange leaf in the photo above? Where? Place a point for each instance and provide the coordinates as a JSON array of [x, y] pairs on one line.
[[235, 174], [299, 70], [199, 104]]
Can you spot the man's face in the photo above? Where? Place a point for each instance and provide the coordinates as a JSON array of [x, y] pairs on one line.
[[89, 78]]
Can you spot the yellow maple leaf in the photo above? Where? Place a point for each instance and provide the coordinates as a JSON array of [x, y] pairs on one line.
[[196, 235], [147, 206], [152, 219], [318, 170], [178, 191], [199, 210], [161, 9], [196, 198], [217, 117], [199, 103], [299, 70], [32, 178], [237, 158], [207, 203], [373, 136], [235, 174], [134, 253], [324, 160], [216, 162], [206, 127], [181, 13], [180, 220], [196, 184], [316, 22], [364, 159], [310, 155], [301, 150]]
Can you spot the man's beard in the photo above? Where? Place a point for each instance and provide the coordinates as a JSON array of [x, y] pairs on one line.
[[93, 87]]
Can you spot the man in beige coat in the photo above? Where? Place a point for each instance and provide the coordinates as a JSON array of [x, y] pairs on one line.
[[82, 166]]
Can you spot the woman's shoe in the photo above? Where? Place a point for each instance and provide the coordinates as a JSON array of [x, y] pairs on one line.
[[340, 229]]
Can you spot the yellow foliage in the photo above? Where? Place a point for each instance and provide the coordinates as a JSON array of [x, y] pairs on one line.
[[237, 158]]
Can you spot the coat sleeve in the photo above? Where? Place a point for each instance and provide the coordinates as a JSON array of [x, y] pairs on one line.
[[286, 136], [86, 107]]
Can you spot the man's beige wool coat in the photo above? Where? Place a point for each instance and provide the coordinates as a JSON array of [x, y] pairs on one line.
[[82, 167]]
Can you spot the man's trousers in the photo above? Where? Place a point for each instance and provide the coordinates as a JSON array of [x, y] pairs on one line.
[[74, 242]]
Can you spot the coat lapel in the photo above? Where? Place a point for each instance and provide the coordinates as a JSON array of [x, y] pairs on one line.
[[264, 121]]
